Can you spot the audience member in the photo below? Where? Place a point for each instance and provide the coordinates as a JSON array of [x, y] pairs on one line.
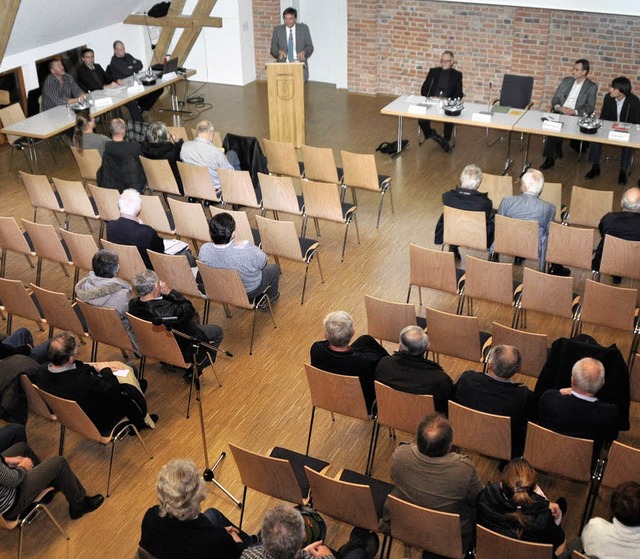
[[251, 263], [495, 393], [467, 197], [121, 167], [429, 474], [517, 508], [336, 355], [21, 342], [408, 369], [201, 151], [60, 88], [99, 393], [23, 477], [84, 136], [13, 402], [160, 144], [177, 529]]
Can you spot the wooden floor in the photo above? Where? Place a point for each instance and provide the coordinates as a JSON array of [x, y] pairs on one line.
[[264, 400]]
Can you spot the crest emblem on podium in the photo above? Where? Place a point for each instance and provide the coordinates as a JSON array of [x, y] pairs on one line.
[[286, 88]]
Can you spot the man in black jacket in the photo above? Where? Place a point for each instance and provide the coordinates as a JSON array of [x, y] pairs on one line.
[[121, 167], [124, 65], [445, 82], [620, 105]]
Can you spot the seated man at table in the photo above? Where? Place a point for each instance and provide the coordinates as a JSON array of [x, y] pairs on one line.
[[619, 105], [59, 88], [121, 167]]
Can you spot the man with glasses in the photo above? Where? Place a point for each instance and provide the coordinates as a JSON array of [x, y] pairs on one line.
[[445, 82]]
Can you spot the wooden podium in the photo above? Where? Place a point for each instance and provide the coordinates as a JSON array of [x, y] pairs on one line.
[[286, 102]]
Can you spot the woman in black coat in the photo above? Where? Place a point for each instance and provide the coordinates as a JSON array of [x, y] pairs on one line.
[[161, 144]]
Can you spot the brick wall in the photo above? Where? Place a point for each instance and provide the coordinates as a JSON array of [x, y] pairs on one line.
[[393, 43]]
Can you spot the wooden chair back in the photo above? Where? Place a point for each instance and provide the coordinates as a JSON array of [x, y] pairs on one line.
[[570, 246], [532, 347], [322, 201], [243, 228], [179, 131], [386, 319], [434, 269], [634, 373], [465, 228], [623, 464], [197, 182], [12, 238], [46, 242], [497, 187], [279, 238], [347, 502], [454, 335], [620, 258], [491, 545], [428, 529], [156, 342], [74, 198], [58, 311], [267, 475], [484, 433], [105, 326], [131, 263], [153, 213], [278, 194], [558, 454], [190, 220], [36, 404], [336, 393], [490, 281], [588, 206], [237, 188], [319, 164], [577, 555], [281, 158], [159, 175], [40, 192], [402, 411], [175, 271], [516, 237], [16, 300], [360, 170], [606, 305], [81, 247], [224, 286], [216, 141], [11, 115], [106, 200], [89, 161], [552, 193], [547, 293]]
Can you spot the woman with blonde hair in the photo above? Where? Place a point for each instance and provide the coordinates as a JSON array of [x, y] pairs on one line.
[[517, 507], [176, 528]]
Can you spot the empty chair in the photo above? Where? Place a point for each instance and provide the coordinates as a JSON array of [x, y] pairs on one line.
[[280, 240], [160, 177], [465, 228], [517, 237], [570, 246], [106, 201], [497, 187], [320, 165], [152, 213], [89, 161], [620, 258], [552, 193], [386, 319], [131, 263], [16, 300], [433, 269], [491, 545], [81, 248], [322, 201], [59, 312], [588, 206], [75, 201], [13, 239], [279, 195], [41, 194], [360, 171], [197, 183], [282, 158], [532, 347], [490, 281], [47, 246], [237, 188]]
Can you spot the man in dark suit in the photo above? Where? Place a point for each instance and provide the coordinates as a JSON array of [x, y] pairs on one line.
[[495, 392], [408, 370], [291, 41], [467, 197], [576, 411], [121, 167], [575, 96], [445, 82], [620, 105]]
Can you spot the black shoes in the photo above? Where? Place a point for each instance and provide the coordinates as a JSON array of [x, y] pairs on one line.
[[548, 163], [593, 172], [456, 253], [88, 504], [144, 383], [622, 177], [441, 141], [559, 270]]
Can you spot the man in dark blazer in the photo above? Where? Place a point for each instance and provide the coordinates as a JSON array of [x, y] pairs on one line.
[[576, 411], [495, 392], [446, 82], [408, 370], [620, 105], [575, 96], [121, 167], [291, 41]]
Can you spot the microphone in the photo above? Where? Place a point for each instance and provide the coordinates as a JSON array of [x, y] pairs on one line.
[[160, 320], [429, 90], [627, 115]]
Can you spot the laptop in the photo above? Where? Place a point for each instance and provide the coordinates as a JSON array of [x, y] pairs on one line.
[[167, 68]]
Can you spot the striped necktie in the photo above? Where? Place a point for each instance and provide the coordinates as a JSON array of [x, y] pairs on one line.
[[290, 54]]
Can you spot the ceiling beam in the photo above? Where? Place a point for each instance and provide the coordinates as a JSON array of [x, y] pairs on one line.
[[179, 21], [8, 9]]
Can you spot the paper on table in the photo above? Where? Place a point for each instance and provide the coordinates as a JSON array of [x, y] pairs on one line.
[[415, 99], [417, 110], [121, 372]]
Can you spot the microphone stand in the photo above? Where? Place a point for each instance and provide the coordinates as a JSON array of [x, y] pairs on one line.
[[209, 474]]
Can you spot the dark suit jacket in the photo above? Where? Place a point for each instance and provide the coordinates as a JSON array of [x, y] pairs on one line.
[[279, 41], [469, 200], [630, 109], [121, 167], [124, 67], [416, 375], [586, 102], [92, 80], [126, 231], [624, 225], [430, 84]]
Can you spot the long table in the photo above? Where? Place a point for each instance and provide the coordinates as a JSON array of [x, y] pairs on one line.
[[52, 122]]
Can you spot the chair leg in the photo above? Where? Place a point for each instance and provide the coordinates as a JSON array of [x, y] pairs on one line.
[[355, 222], [253, 329], [143, 362], [303, 230], [317, 256], [94, 350], [313, 413], [344, 242], [304, 282], [86, 220], [39, 271], [380, 209], [244, 499], [372, 448], [63, 431]]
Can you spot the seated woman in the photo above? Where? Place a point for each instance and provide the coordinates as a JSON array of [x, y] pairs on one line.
[[84, 136], [160, 144], [177, 529], [516, 507]]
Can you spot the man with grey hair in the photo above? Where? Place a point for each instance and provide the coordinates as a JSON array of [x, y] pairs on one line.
[[624, 224], [201, 151], [157, 300], [408, 369], [121, 167], [336, 355], [467, 197], [495, 392], [530, 207], [576, 411]]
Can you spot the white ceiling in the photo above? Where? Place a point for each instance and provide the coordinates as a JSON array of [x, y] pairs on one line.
[[40, 22]]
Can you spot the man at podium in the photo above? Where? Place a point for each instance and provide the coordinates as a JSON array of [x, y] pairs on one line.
[[291, 41]]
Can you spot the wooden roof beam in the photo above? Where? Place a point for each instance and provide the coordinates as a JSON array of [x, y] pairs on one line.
[[174, 21]]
